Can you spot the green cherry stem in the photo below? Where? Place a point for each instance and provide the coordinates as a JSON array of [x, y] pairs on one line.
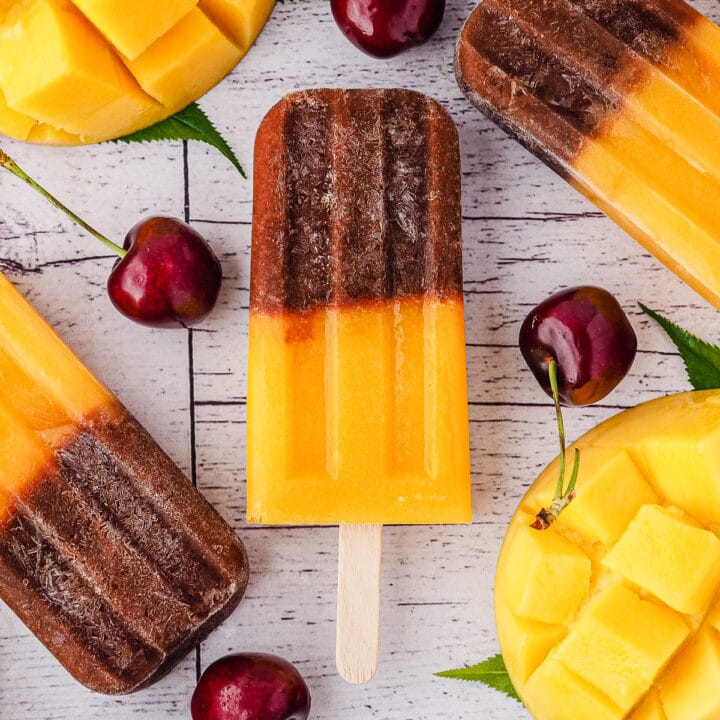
[[9, 164], [563, 495]]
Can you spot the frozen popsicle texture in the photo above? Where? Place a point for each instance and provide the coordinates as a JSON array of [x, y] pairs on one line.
[[357, 399], [107, 552], [622, 98], [614, 611]]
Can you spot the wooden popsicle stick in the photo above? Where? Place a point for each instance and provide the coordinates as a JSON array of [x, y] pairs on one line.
[[358, 601]]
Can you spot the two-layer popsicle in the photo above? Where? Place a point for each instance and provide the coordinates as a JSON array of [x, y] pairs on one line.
[[357, 400], [622, 98], [107, 552]]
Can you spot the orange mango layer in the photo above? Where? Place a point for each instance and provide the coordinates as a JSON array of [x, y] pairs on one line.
[[88, 70], [654, 168], [359, 414], [45, 394], [613, 611]]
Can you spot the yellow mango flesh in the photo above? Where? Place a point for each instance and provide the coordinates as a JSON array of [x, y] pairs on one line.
[[650, 708], [131, 26], [658, 548], [557, 578], [195, 50], [639, 637], [654, 167], [359, 414], [89, 70], [236, 18], [52, 62], [689, 690], [620, 653], [45, 394], [16, 123]]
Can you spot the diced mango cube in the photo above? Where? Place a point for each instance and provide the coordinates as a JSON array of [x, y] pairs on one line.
[[238, 18], [677, 562], [65, 75], [546, 576], [689, 688], [133, 25], [55, 67], [48, 135], [530, 641], [555, 692], [645, 642], [186, 61], [690, 449], [649, 709], [14, 124], [620, 643], [713, 617], [610, 491]]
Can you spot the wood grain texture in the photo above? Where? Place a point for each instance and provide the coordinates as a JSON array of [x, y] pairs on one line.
[[526, 234], [358, 601]]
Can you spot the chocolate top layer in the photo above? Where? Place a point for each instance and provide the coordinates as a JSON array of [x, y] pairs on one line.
[[115, 561], [356, 198], [551, 72]]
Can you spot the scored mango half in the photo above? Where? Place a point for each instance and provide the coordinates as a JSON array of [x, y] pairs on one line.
[[90, 70], [614, 611]]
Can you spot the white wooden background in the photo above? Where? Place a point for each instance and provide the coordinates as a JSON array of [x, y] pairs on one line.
[[526, 234]]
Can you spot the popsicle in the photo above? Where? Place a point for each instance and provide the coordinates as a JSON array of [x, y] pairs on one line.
[[622, 99], [357, 398], [107, 552]]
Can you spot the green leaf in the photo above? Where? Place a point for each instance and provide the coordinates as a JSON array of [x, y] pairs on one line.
[[702, 360], [492, 672], [191, 123]]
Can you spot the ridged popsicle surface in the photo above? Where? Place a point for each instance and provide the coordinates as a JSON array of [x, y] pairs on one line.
[[107, 552], [356, 332], [622, 98]]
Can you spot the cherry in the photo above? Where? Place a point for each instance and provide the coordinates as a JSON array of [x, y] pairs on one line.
[[579, 344], [586, 332], [166, 276], [250, 686], [384, 28], [169, 276]]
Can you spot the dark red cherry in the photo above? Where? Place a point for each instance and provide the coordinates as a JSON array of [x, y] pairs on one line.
[[251, 686], [383, 28], [587, 333], [170, 277]]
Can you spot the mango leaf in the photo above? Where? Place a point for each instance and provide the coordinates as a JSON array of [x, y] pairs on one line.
[[191, 123], [491, 672], [702, 360]]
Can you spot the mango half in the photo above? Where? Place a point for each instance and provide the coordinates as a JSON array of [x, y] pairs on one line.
[[90, 70], [614, 611]]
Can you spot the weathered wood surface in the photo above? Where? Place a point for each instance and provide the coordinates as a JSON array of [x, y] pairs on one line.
[[526, 234]]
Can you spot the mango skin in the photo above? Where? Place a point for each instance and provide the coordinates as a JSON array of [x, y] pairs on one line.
[[599, 656], [85, 71]]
